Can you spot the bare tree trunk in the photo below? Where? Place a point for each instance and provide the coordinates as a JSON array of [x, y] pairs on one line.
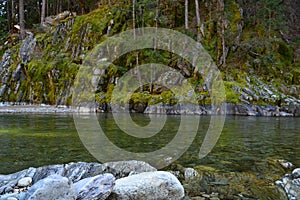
[[60, 6], [8, 3], [223, 33], [133, 19], [22, 19], [136, 53], [13, 13], [154, 48], [186, 15], [43, 15], [47, 9], [200, 28]]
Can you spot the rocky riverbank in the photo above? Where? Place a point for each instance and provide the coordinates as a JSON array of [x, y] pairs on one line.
[[139, 180], [25, 108], [178, 109]]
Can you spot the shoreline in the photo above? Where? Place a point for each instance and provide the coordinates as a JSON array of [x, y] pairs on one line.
[[135, 180], [178, 109], [35, 109]]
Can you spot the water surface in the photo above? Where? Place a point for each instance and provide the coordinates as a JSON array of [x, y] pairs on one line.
[[32, 140]]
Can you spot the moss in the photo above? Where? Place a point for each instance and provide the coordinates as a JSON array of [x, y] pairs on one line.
[[231, 95]]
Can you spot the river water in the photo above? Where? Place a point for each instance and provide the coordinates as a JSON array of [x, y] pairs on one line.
[[33, 140]]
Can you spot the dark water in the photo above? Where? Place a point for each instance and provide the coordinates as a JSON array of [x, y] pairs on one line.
[[36, 140]]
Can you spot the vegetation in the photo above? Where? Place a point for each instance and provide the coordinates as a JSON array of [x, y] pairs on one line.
[[245, 38]]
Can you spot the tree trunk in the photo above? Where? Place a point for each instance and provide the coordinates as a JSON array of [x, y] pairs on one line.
[[133, 19], [223, 33], [186, 15], [43, 15], [13, 13], [22, 19], [8, 3], [200, 31], [136, 53]]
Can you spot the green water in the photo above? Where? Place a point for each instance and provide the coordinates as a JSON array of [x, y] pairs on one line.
[[32, 140]]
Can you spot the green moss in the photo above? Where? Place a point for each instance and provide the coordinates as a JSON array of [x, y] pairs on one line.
[[231, 95]]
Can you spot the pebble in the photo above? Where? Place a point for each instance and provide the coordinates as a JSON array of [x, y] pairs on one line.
[[24, 182]]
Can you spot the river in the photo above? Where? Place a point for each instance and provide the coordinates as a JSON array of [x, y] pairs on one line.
[[32, 140]]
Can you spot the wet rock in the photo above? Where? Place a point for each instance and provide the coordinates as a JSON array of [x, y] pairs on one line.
[[291, 184], [285, 164], [98, 187], [148, 185], [296, 173], [52, 187]]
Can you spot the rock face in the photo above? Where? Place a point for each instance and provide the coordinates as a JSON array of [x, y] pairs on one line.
[[98, 187], [148, 185], [291, 184], [52, 187]]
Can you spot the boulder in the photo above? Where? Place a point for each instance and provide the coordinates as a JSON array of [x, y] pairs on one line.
[[52, 187], [98, 187], [73, 171], [148, 185]]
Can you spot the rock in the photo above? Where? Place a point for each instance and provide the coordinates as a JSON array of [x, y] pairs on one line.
[[177, 109], [11, 198], [52, 187], [98, 187], [148, 185], [296, 173], [190, 173], [7, 182], [285, 164], [291, 184], [24, 182], [73, 171], [27, 48], [124, 168]]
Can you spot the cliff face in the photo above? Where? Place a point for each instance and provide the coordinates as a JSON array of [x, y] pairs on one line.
[[261, 53]]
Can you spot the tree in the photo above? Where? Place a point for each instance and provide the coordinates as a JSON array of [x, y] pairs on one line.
[[221, 11], [200, 28], [22, 19], [186, 14], [136, 52], [43, 15]]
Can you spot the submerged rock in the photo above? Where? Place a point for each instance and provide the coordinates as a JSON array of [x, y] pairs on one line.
[[148, 185]]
